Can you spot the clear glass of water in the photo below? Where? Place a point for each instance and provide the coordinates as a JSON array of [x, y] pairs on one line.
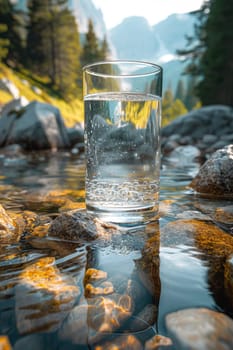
[[122, 103]]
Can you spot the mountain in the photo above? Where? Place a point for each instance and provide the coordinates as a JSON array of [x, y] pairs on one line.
[[135, 39], [173, 30], [84, 10]]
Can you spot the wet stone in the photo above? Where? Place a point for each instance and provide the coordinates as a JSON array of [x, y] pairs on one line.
[[104, 288], [44, 297], [200, 329], [93, 275], [146, 317], [76, 328], [158, 342], [78, 225], [224, 214], [215, 177], [205, 235], [10, 231], [107, 314]]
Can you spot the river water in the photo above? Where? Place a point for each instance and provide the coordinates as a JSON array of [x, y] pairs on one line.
[[173, 270]]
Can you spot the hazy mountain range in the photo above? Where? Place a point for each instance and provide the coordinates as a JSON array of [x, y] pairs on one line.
[[134, 38]]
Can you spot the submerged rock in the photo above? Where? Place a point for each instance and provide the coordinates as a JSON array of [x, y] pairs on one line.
[[200, 329], [44, 297], [10, 229], [158, 342], [215, 177], [208, 237]]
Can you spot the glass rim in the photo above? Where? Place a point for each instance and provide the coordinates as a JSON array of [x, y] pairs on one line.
[[155, 68]]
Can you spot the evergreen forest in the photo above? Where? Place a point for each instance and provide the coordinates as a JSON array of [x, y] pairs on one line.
[[43, 45]]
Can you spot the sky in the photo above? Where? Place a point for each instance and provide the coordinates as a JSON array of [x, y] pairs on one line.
[[114, 11]]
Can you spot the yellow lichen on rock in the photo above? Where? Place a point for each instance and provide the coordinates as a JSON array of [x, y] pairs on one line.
[[4, 343]]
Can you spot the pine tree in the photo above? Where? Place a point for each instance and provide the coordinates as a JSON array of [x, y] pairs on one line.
[[91, 52], [180, 91], [67, 56], [216, 87], [210, 52], [191, 99], [53, 45], [38, 36], [10, 34], [4, 43], [104, 50]]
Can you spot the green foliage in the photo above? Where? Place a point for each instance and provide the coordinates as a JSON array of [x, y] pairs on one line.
[[11, 41], [191, 99], [92, 50], [180, 91], [4, 43], [53, 45], [217, 60], [24, 80], [103, 50], [210, 52], [171, 109]]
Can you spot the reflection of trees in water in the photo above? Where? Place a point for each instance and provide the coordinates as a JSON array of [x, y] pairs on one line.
[[135, 291]]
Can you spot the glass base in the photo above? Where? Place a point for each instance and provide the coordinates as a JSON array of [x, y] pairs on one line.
[[125, 217]]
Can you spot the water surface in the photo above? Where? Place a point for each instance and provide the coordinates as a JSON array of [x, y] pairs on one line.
[[181, 273]]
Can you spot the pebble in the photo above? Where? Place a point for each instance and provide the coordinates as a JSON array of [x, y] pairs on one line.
[[200, 329]]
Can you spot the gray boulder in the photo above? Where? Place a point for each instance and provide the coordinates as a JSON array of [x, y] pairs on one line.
[[37, 126], [208, 128]]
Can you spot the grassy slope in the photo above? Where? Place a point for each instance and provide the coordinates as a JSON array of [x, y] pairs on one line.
[[72, 112]]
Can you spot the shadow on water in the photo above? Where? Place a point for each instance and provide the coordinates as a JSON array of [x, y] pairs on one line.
[[51, 293]]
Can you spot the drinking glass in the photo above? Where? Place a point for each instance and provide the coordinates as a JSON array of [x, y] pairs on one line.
[[122, 103]]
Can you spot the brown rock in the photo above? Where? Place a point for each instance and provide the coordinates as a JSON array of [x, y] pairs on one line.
[[215, 177], [158, 342], [224, 214], [78, 225], [9, 230], [207, 236]]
